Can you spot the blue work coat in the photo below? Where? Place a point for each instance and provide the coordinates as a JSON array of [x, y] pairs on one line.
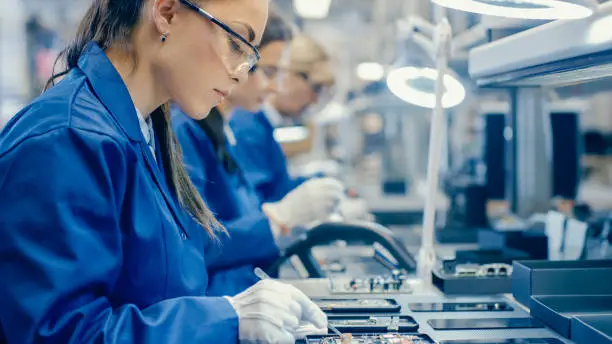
[[94, 247], [235, 205], [261, 156]]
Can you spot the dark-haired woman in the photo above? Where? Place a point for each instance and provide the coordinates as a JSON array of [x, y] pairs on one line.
[[209, 149], [102, 235]]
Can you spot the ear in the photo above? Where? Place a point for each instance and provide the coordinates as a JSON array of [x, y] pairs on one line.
[[164, 13]]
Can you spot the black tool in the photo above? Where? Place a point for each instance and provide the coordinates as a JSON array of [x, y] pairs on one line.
[[327, 233]]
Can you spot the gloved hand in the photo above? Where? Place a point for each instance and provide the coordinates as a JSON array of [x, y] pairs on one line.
[[314, 200], [271, 312], [353, 208]]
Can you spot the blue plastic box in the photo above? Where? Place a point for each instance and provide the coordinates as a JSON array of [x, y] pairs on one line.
[[541, 277], [592, 329]]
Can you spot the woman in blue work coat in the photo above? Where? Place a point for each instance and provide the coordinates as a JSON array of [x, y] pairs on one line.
[[102, 235], [209, 155], [307, 76]]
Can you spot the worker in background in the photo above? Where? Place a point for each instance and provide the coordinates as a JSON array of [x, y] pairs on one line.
[[103, 236], [306, 78], [209, 156]]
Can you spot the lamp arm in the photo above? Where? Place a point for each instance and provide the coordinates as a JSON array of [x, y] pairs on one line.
[[427, 256]]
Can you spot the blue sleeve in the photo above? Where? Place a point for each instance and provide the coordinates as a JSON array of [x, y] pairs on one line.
[[250, 241], [262, 157], [61, 249], [230, 282]]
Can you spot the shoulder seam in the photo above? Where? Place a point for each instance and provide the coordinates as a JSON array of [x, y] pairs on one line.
[[56, 129], [71, 101]]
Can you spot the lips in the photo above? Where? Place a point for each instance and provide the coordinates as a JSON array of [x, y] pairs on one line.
[[222, 94]]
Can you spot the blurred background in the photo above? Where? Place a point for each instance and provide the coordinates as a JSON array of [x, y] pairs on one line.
[[380, 139]]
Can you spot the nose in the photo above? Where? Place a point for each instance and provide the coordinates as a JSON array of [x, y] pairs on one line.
[[239, 78], [270, 85]]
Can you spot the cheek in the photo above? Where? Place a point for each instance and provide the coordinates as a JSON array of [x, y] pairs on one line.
[[302, 95], [189, 77]]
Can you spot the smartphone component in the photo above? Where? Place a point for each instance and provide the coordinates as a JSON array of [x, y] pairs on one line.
[[373, 324], [358, 305], [388, 338], [483, 324], [461, 307]]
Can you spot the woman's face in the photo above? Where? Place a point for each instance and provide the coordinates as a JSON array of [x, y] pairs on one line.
[[263, 82], [296, 95], [200, 64]]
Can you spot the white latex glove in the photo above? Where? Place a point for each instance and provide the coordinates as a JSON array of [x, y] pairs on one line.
[[271, 312], [355, 209], [314, 200]]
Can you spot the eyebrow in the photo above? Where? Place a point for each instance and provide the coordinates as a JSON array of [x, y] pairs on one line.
[[249, 29]]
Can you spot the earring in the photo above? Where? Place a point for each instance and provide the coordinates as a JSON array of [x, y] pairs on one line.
[[164, 37]]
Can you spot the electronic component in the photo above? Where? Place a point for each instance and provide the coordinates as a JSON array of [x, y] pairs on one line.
[[372, 324], [396, 283], [485, 270], [505, 341], [460, 307], [358, 305], [388, 338], [483, 324]]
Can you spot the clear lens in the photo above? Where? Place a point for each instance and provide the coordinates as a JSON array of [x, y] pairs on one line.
[[239, 57]]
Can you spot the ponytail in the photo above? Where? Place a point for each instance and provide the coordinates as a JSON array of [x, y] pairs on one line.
[[110, 23], [176, 175]]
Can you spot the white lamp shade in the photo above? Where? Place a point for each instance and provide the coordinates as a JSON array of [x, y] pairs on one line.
[[415, 85], [524, 9]]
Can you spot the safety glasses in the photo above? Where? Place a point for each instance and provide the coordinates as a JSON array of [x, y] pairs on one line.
[[240, 55]]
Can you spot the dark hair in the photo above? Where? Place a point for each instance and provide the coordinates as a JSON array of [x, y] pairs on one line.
[[110, 23], [277, 30]]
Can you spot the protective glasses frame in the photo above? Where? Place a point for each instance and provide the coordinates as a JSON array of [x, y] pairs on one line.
[[226, 28]]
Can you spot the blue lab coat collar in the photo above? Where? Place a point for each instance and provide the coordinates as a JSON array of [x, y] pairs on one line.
[[110, 89], [112, 92]]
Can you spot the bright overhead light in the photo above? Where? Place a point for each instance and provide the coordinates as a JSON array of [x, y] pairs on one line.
[[291, 134], [370, 71], [312, 9], [417, 86], [524, 9]]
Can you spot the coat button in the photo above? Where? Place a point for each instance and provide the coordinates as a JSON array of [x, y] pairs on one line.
[[183, 236]]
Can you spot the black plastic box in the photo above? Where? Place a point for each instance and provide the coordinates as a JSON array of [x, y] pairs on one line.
[[535, 244], [540, 277], [592, 329], [558, 311], [451, 285]]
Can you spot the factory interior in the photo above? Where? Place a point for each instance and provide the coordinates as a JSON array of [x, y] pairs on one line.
[[471, 139]]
